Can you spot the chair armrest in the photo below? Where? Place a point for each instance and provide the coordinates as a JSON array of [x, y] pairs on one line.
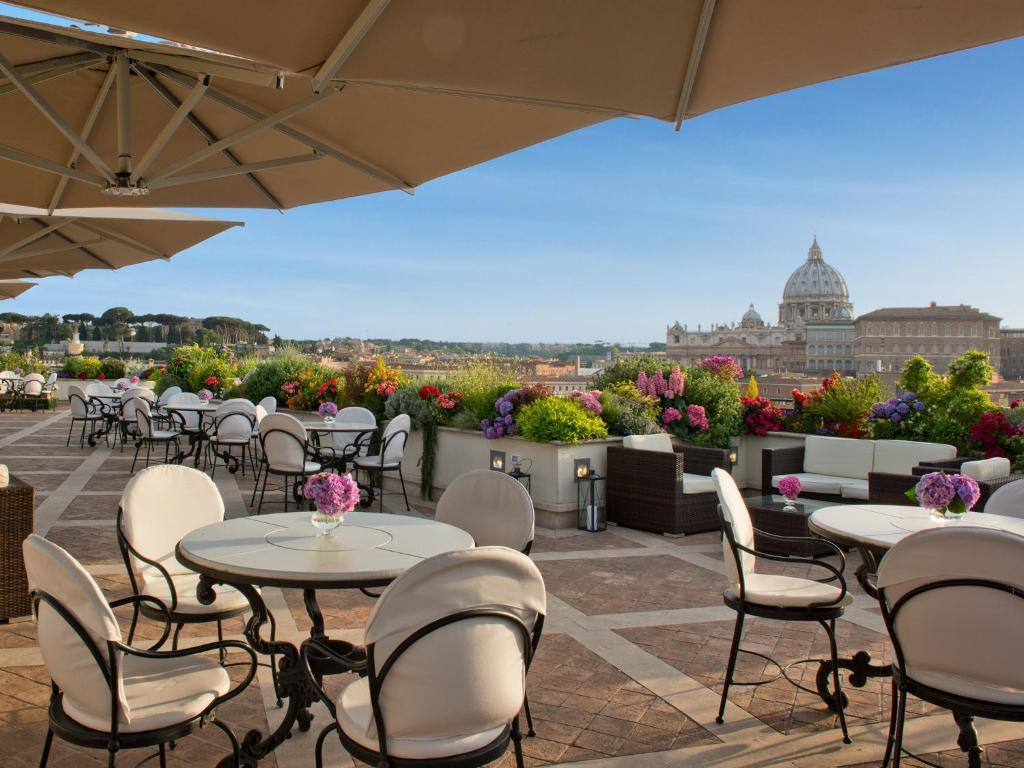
[[890, 488], [937, 465], [632, 466], [780, 461], [327, 651], [837, 573], [159, 604], [700, 461]]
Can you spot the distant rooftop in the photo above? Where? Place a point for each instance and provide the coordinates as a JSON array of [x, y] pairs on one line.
[[931, 311]]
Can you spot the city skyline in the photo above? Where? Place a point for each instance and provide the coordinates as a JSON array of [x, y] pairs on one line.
[[616, 231]]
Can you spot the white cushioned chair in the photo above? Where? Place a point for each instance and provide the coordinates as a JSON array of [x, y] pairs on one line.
[[348, 445], [107, 694], [1007, 500], [448, 648], [956, 625], [232, 428], [83, 412], [148, 435], [490, 506], [190, 420], [389, 459], [787, 598], [285, 451]]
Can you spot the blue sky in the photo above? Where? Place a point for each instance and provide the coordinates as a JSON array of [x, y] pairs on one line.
[[912, 178]]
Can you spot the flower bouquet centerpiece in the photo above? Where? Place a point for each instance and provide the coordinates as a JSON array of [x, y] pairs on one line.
[[334, 496], [790, 488], [327, 412], [121, 384], [946, 497], [205, 396]]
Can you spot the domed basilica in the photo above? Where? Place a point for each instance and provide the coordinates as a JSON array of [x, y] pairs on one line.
[[815, 305]]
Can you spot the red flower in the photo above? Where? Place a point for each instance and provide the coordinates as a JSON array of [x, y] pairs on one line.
[[212, 381], [429, 392], [102, 376], [1016, 403], [82, 376]]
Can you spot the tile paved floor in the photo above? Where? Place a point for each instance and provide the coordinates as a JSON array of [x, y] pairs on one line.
[[628, 673]]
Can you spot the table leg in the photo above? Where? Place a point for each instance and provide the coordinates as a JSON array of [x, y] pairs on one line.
[[968, 739], [861, 669], [194, 444], [355, 656], [291, 677]]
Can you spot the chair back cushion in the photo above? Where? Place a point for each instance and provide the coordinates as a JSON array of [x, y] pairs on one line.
[[995, 468], [162, 504], [235, 424], [838, 456], [959, 639], [68, 660], [284, 442], [492, 507], [136, 410], [269, 404], [472, 672], [51, 379], [33, 387], [191, 418], [97, 388], [657, 442], [167, 394], [394, 449], [79, 401], [1007, 500], [735, 513], [355, 415], [899, 457], [237, 404]]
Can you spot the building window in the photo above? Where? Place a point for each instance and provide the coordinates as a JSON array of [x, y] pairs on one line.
[[676, 337]]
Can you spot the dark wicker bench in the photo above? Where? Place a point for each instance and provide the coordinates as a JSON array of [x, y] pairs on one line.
[[644, 489], [788, 461], [17, 513]]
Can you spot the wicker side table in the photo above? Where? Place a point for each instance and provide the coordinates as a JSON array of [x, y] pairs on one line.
[[17, 517]]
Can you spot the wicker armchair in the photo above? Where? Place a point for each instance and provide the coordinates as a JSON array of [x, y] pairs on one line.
[[887, 488], [645, 489], [17, 504]]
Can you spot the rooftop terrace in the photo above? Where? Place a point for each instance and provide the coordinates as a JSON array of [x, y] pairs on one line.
[[628, 672]]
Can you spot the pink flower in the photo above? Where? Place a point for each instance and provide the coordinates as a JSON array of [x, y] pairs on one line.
[[670, 415], [333, 494], [641, 382], [134, 380], [658, 384], [676, 383], [698, 417], [790, 487], [386, 389]]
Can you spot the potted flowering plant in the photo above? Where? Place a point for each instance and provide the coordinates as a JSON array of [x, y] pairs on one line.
[[946, 497], [790, 488], [334, 496], [205, 395], [327, 412]]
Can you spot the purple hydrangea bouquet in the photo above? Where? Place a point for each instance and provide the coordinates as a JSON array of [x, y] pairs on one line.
[[947, 497], [327, 412], [205, 395], [334, 496], [790, 488]]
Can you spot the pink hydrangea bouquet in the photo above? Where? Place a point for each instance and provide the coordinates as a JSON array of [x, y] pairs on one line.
[[205, 395], [133, 380], [790, 487], [946, 496], [669, 415], [333, 495], [697, 417]]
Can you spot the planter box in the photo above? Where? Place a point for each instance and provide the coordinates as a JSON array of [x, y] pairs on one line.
[[748, 469], [62, 385]]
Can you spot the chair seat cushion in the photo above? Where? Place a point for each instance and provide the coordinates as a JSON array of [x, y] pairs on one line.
[[164, 434], [228, 598], [355, 718], [855, 489], [697, 483], [971, 689], [233, 440], [161, 692], [815, 483], [787, 591], [373, 462]]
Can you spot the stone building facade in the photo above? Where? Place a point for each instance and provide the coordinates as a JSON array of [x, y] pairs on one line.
[[815, 293], [1012, 353], [885, 338], [830, 344]]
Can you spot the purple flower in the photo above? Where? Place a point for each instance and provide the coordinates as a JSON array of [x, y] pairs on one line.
[[503, 406], [935, 490], [918, 405], [490, 434], [485, 424], [205, 395], [509, 420], [895, 418], [908, 396], [511, 429], [499, 429], [327, 409], [903, 408], [332, 494], [967, 489]]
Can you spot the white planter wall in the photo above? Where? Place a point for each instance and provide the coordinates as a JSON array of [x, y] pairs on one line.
[[748, 470]]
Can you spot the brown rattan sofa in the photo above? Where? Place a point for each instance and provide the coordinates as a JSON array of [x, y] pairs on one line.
[[649, 489], [888, 488], [17, 504]]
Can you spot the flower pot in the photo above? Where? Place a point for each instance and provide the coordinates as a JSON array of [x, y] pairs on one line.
[[325, 523]]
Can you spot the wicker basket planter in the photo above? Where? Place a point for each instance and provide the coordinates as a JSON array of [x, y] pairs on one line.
[[17, 507]]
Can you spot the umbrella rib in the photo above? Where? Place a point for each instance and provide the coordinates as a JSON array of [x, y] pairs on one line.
[[205, 132], [250, 130], [696, 53], [87, 251], [172, 125], [221, 173], [117, 237], [360, 165], [90, 122], [347, 45], [48, 250], [24, 158], [43, 106], [47, 229], [38, 73]]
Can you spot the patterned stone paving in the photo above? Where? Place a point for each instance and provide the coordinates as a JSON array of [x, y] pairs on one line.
[[628, 673]]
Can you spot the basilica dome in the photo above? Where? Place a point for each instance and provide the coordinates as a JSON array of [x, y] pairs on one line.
[[815, 291], [751, 317]]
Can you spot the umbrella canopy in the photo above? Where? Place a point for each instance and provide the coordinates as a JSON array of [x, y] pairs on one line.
[[11, 288], [34, 243], [96, 120], [668, 59]]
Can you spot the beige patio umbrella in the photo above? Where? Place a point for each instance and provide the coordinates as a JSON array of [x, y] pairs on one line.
[[668, 59], [11, 288], [34, 243], [97, 120]]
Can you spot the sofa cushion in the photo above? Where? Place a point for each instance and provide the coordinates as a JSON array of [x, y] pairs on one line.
[[659, 442], [986, 469], [855, 489], [899, 457], [838, 456], [697, 483], [813, 483]]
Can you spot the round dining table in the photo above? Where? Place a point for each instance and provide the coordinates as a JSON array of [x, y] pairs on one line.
[[285, 550], [198, 435], [873, 529]]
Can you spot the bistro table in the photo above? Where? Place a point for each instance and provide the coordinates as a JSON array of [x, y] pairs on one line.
[[284, 550], [109, 407], [317, 428], [874, 529], [197, 436]]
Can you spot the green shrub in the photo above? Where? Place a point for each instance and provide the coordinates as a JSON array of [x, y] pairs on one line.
[[266, 378], [113, 368], [480, 384], [625, 416], [628, 368], [847, 401], [9, 361], [559, 418], [720, 399], [75, 366]]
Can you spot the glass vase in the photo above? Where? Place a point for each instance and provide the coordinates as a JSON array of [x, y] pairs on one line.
[[328, 419], [325, 523], [790, 504]]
